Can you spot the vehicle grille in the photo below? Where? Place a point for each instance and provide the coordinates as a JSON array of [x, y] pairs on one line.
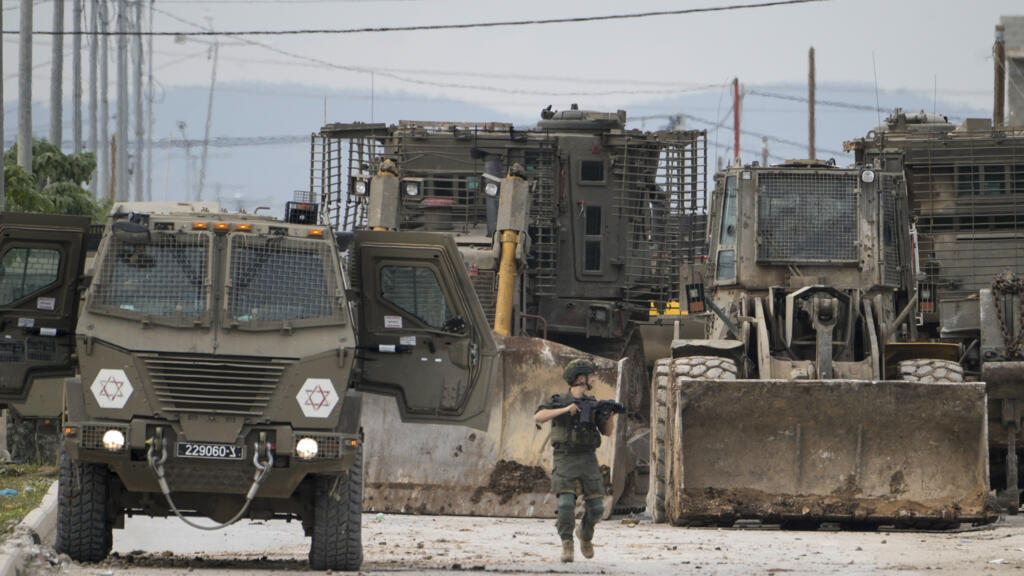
[[208, 384]]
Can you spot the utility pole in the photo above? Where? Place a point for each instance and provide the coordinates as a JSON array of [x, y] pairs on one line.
[[57, 75], [3, 191], [76, 78], [209, 121], [810, 103], [25, 88], [999, 55], [93, 94], [736, 120], [122, 102], [764, 150], [104, 146], [139, 113], [149, 110]]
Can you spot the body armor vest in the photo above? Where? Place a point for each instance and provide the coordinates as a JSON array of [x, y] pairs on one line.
[[566, 431]]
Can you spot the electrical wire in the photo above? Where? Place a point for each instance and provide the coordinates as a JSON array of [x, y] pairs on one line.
[[434, 27]]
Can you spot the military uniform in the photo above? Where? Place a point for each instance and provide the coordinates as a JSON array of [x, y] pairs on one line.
[[575, 466]]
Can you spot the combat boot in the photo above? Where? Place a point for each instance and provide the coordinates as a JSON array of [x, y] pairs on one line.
[[566, 550], [586, 546]]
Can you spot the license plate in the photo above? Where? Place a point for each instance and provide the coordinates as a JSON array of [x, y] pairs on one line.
[[215, 451]]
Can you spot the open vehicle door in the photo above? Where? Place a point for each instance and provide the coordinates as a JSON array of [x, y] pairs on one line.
[[423, 336], [41, 261]]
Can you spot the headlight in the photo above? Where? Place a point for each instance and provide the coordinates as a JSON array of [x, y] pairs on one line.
[[867, 176], [360, 186], [412, 189], [306, 448], [491, 188], [113, 440]]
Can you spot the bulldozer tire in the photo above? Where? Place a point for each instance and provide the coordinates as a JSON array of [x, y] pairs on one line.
[[83, 530], [337, 542], [931, 371], [704, 368], [658, 472]]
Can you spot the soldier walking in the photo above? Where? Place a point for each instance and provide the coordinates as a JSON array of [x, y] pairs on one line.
[[575, 458]]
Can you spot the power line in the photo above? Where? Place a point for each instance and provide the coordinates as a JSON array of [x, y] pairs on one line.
[[432, 27], [448, 85]]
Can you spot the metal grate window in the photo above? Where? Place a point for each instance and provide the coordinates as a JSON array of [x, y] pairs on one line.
[[275, 279], [168, 277], [807, 218], [24, 271]]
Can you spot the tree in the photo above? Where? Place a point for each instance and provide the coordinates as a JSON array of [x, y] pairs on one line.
[[55, 185]]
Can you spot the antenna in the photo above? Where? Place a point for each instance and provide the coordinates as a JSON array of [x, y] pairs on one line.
[[935, 93]]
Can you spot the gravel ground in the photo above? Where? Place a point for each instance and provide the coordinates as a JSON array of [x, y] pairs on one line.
[[445, 544]]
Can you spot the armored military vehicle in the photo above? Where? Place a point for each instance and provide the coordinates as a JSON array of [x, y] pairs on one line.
[[596, 240], [804, 402], [966, 189], [221, 365]]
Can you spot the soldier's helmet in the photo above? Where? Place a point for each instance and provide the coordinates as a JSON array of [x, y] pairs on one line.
[[577, 367]]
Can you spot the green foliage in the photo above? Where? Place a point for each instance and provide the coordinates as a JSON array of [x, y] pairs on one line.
[[55, 185], [31, 483]]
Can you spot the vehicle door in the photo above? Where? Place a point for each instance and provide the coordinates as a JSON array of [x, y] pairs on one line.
[[422, 334], [41, 261]]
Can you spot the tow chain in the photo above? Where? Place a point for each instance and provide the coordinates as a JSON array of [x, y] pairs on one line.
[[156, 462], [1008, 283]]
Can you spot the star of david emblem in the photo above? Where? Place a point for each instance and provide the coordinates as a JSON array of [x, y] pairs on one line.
[[317, 397], [111, 388]]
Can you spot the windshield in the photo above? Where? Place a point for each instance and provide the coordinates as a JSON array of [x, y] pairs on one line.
[[276, 279], [166, 278]]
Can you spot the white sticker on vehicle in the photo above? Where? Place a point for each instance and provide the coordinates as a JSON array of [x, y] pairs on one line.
[[317, 397], [111, 388], [407, 341], [46, 303], [26, 322], [47, 331], [392, 321], [390, 348]]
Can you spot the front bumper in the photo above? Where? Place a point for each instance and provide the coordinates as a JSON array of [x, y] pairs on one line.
[[337, 452]]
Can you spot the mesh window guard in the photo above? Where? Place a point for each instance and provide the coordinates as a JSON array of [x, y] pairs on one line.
[[276, 279], [166, 278]]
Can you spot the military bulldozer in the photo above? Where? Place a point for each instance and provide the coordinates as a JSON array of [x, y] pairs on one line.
[[221, 363], [966, 194], [805, 402], [589, 223]]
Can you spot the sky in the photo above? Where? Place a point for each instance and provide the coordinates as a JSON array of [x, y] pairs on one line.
[[936, 51]]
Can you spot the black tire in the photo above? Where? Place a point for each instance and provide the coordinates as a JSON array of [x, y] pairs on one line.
[[658, 471], [931, 371], [84, 531], [337, 542]]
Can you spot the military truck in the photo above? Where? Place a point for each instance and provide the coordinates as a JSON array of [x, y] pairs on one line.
[[965, 185], [805, 402], [596, 241], [221, 363]]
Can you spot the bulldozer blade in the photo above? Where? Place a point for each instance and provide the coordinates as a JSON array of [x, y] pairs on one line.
[[504, 471], [872, 452]]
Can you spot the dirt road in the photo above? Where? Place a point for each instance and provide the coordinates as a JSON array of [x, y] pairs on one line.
[[433, 545]]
